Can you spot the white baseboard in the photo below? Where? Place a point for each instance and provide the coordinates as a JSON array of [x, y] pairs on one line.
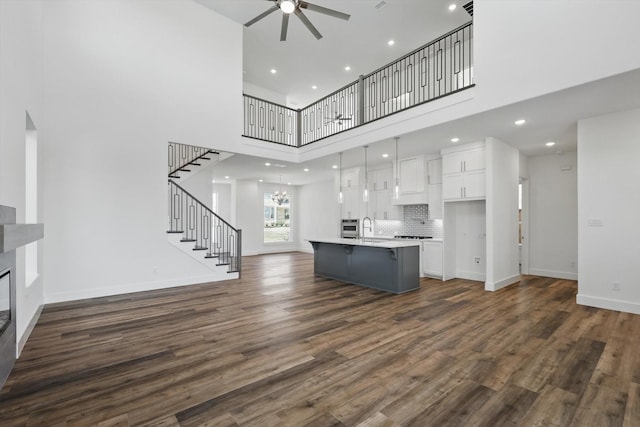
[[470, 275], [501, 283], [129, 288], [609, 304], [27, 332], [555, 274]]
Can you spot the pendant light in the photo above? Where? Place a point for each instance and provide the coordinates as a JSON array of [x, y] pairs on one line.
[[396, 188], [340, 197], [365, 195]]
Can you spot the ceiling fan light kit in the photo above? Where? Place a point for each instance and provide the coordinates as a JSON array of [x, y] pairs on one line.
[[295, 6]]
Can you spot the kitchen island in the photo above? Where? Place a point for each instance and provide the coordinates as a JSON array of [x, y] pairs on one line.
[[387, 265]]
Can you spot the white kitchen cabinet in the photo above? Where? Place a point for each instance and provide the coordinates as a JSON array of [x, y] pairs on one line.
[[383, 179], [463, 173], [381, 201], [412, 175], [463, 186], [432, 258], [434, 168], [350, 179], [463, 161], [413, 181], [351, 203]]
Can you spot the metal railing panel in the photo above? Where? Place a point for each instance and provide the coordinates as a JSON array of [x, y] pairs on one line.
[[269, 121], [439, 68], [204, 228], [181, 155]]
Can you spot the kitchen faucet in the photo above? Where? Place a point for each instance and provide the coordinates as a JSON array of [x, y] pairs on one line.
[[370, 228]]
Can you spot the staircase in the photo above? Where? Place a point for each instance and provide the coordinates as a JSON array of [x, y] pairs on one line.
[[193, 227]]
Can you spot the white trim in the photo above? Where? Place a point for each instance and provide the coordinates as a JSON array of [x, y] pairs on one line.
[[607, 303], [470, 275], [555, 274], [128, 288], [501, 283], [29, 329]]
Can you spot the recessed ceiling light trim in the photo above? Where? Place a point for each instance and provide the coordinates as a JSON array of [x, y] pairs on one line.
[[520, 122]]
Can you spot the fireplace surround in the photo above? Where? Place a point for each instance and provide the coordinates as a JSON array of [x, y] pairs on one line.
[[12, 236]]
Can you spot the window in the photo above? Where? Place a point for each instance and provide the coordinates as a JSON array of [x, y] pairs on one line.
[[31, 197], [277, 219]]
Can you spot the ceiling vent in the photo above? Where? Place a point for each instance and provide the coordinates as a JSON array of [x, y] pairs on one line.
[[381, 4], [469, 8]]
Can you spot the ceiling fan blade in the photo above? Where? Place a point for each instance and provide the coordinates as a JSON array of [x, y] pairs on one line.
[[262, 15], [285, 25], [324, 10], [308, 24]]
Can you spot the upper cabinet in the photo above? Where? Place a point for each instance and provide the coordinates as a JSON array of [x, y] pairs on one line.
[[350, 178], [463, 172], [412, 173], [380, 179]]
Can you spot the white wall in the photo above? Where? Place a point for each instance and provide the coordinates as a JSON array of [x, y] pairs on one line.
[[121, 79], [503, 164], [534, 47], [319, 212], [21, 85], [553, 214], [608, 177], [262, 93]]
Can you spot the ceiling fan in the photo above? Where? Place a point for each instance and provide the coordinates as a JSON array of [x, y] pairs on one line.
[[338, 119], [295, 6]]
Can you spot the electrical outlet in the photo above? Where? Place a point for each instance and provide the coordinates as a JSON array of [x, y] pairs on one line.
[[616, 286], [476, 259]]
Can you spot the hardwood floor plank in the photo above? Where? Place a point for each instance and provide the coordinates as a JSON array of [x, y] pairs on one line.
[[281, 347]]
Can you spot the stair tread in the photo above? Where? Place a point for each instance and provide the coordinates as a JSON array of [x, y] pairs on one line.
[[187, 240], [174, 231], [174, 176]]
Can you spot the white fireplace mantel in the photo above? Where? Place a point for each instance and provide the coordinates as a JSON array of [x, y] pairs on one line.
[[12, 236]]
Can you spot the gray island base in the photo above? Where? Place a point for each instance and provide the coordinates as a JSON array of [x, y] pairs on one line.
[[390, 266]]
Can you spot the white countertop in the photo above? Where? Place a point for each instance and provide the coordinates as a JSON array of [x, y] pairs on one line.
[[370, 241], [404, 240]]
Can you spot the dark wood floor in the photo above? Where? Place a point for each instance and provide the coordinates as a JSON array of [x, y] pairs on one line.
[[281, 347]]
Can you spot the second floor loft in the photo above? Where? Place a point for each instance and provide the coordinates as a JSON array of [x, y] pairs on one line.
[[437, 69]]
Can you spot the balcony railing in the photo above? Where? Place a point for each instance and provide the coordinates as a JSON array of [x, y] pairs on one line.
[[439, 68]]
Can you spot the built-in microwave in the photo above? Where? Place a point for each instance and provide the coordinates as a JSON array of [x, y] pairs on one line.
[[350, 229]]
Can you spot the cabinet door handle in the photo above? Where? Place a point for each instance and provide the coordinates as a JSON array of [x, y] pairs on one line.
[[461, 166], [464, 162], [465, 191], [461, 196]]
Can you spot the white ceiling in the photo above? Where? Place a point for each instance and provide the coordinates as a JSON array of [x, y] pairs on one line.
[[361, 43]]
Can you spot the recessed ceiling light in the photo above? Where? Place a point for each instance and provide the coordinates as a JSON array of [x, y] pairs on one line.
[[347, 68], [550, 144], [288, 183], [278, 165], [306, 169], [391, 42], [455, 139], [226, 177], [261, 180], [314, 87], [267, 164], [385, 155], [213, 181], [520, 122], [452, 7], [273, 71], [335, 166]]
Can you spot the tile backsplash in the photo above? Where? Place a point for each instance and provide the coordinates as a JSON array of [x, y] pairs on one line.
[[415, 222]]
